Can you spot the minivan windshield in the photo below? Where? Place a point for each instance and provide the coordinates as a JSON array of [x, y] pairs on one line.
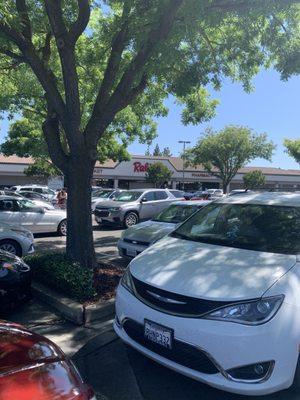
[[266, 228], [128, 196], [175, 213]]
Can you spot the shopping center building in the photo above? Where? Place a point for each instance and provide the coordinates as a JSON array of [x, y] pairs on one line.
[[132, 174]]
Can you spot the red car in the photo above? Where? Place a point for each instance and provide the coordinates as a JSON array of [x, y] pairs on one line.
[[34, 368]]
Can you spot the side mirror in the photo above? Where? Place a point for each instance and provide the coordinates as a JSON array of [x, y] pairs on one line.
[[144, 200]]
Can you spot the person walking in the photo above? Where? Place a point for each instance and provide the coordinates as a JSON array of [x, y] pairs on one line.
[[62, 197]]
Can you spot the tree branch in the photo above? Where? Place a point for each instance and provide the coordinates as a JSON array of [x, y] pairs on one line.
[[52, 137], [117, 48], [124, 89], [17, 57], [24, 18], [46, 49], [66, 52], [45, 76], [82, 21]]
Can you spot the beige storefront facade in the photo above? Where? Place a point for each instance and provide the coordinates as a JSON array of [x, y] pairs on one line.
[[132, 174]]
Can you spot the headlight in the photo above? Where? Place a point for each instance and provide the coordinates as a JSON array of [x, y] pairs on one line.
[[254, 312], [113, 209], [126, 281]]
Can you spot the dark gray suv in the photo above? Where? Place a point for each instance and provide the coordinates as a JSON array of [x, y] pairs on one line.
[[131, 206]]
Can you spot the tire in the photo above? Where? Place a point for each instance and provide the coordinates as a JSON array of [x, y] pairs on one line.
[[62, 228], [296, 383], [11, 246], [130, 219]]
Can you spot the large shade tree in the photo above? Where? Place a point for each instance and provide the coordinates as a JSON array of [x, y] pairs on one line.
[[93, 74]]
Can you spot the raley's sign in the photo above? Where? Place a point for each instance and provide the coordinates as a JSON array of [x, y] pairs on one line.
[[140, 167]]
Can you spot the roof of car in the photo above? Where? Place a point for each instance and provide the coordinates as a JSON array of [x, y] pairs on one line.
[[265, 198]]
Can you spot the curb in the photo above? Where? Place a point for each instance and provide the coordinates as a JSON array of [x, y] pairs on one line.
[[71, 309]]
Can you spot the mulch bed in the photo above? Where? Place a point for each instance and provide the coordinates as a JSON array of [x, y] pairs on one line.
[[106, 280]]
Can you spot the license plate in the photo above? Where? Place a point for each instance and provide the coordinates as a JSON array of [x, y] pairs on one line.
[[131, 253], [158, 334]]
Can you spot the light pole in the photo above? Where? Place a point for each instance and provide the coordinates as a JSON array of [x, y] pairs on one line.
[[184, 142]]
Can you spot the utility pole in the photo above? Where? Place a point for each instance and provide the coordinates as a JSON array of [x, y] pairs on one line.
[[184, 142]]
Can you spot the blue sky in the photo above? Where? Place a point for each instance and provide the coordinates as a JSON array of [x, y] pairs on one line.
[[273, 108]]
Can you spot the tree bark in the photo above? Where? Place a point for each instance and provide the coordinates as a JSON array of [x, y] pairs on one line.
[[80, 242]]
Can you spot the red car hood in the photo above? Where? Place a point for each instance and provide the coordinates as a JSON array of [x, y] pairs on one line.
[[34, 368]]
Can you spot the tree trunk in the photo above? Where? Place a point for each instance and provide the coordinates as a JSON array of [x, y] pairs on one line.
[[80, 242], [225, 187]]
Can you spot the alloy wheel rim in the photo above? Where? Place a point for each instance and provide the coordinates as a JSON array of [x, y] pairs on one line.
[[10, 248], [63, 228], [131, 220]]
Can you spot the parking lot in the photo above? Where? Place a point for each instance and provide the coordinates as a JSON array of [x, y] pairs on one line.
[[105, 239]]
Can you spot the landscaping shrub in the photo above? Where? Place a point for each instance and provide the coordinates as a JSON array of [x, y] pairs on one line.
[[58, 272]]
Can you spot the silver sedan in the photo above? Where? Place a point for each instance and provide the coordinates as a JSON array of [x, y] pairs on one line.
[[18, 211], [16, 240]]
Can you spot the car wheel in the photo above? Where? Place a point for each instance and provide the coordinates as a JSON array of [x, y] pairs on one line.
[[296, 383], [130, 219], [62, 228], [11, 246]]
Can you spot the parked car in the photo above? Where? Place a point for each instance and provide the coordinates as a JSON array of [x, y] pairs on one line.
[[131, 206], [37, 201], [48, 193], [203, 195], [16, 240], [216, 192], [188, 195], [179, 194], [101, 195], [32, 367], [15, 285], [19, 211], [139, 237], [218, 299]]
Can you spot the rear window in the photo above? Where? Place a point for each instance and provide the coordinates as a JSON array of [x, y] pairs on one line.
[[265, 228]]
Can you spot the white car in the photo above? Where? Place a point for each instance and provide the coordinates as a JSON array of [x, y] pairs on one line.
[[139, 237], [16, 240], [18, 211], [48, 193], [218, 299]]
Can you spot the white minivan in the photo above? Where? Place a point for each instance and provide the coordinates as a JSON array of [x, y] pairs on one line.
[[218, 299]]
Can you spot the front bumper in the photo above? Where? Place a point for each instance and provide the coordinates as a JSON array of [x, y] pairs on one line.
[[229, 345], [111, 218], [27, 246], [130, 250]]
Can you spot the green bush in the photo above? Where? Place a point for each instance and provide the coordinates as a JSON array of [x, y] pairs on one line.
[[57, 272]]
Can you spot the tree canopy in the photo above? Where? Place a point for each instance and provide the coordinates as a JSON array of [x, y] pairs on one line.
[[223, 153], [158, 174], [254, 180], [293, 149], [93, 75]]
